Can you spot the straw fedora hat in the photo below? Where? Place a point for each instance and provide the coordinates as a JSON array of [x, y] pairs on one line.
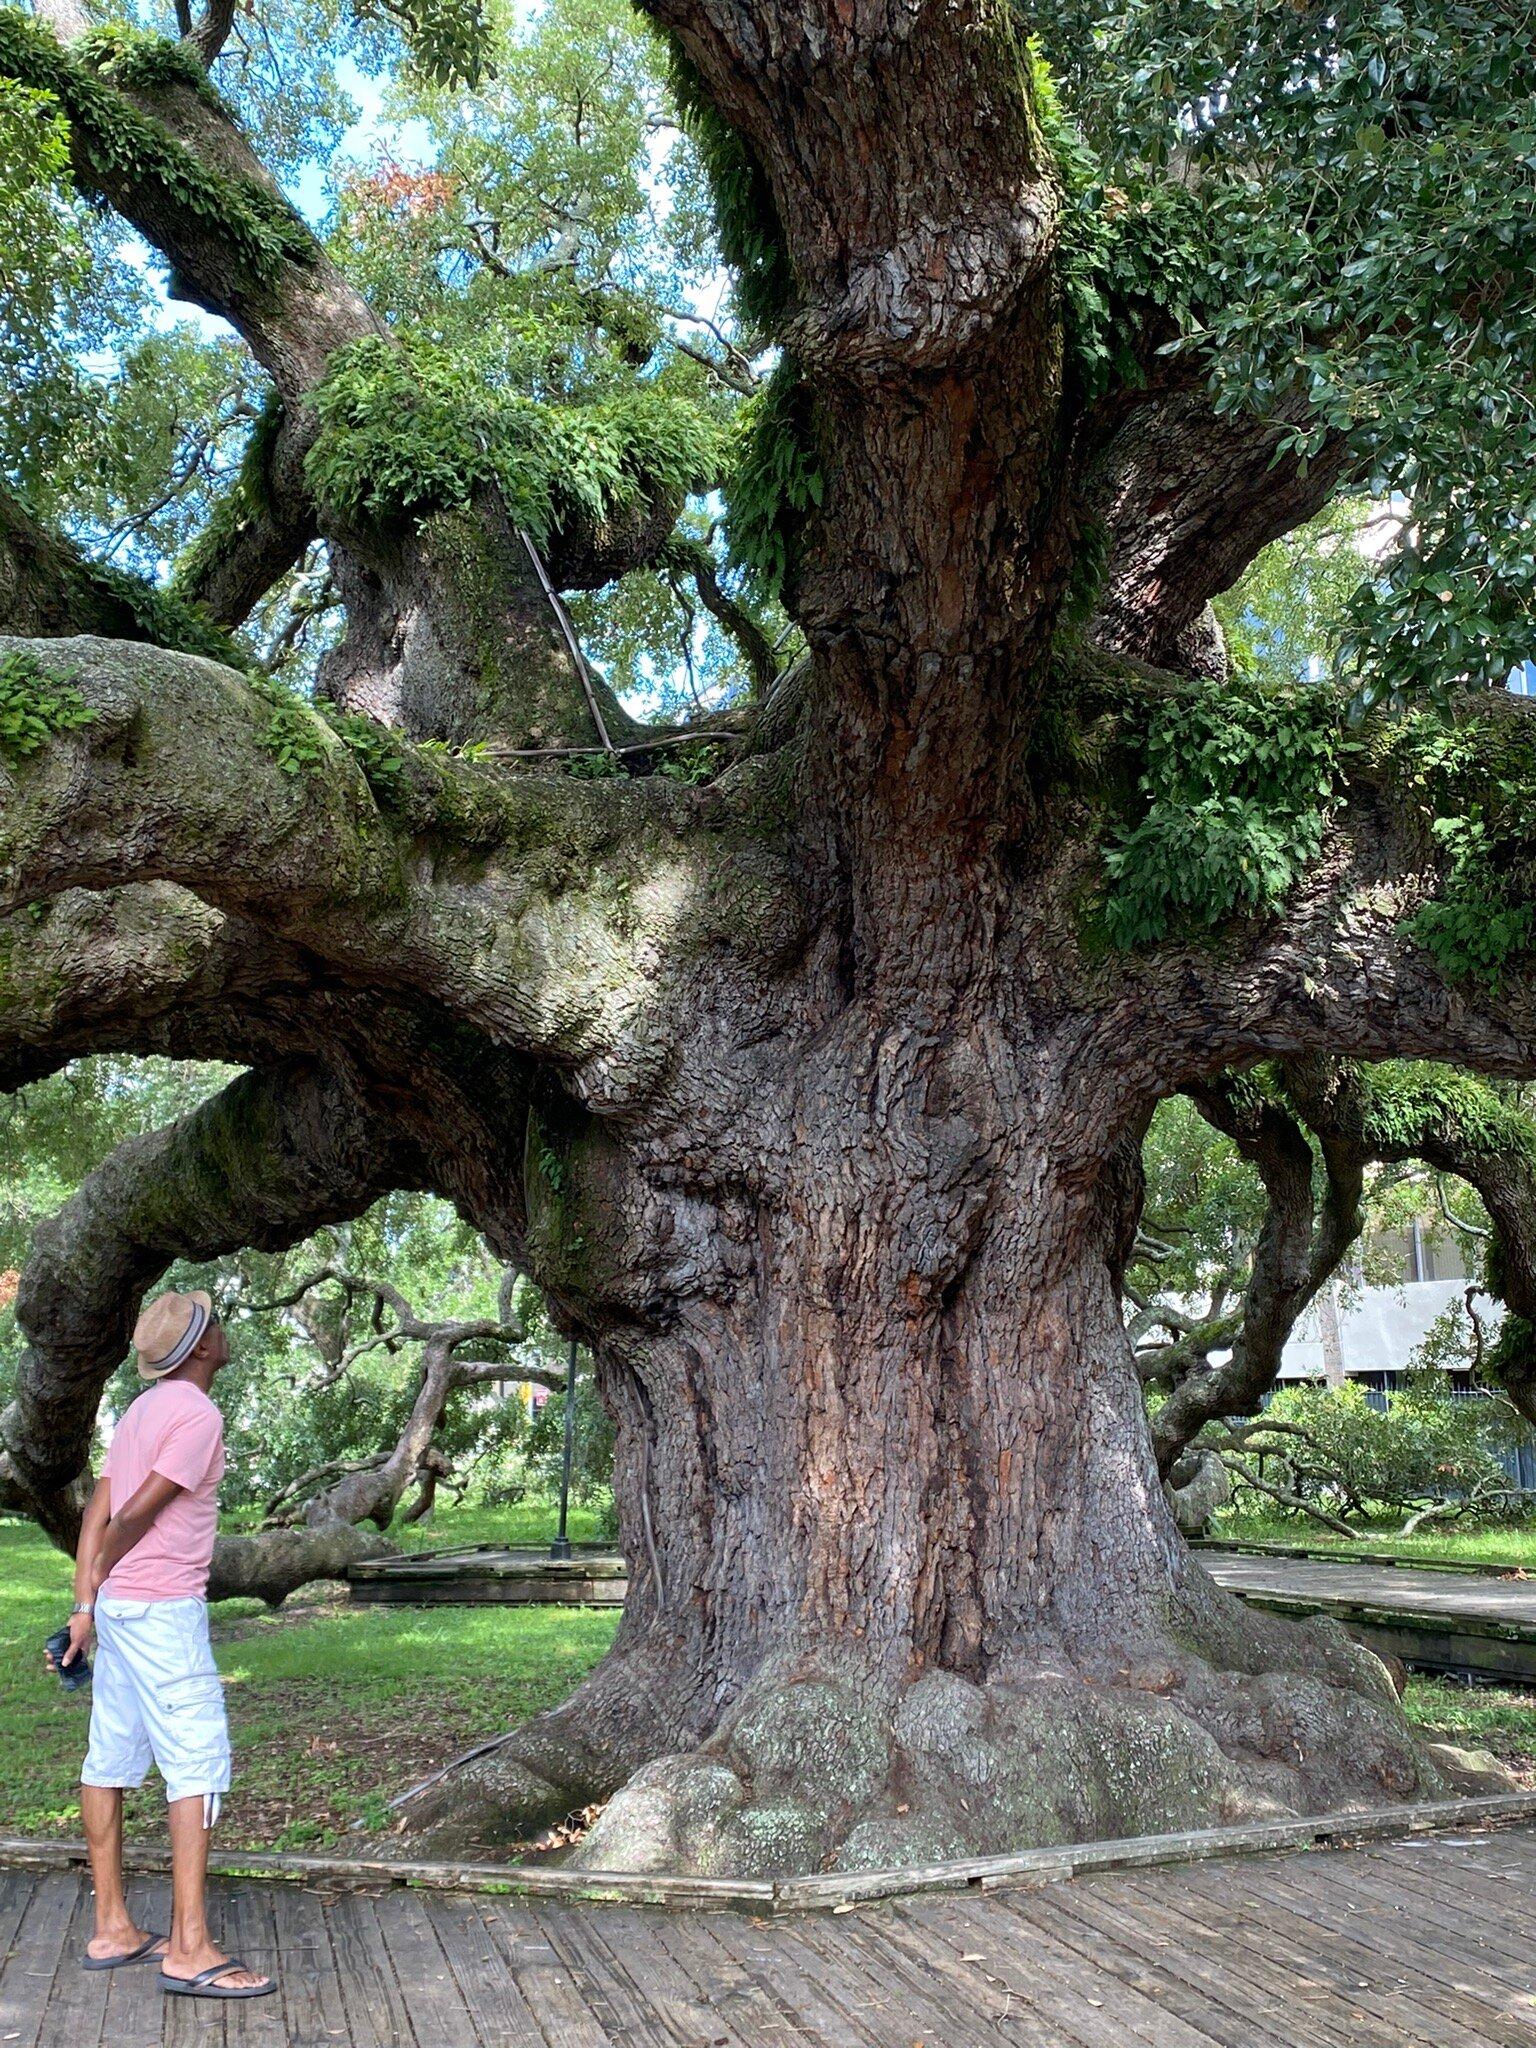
[[168, 1331]]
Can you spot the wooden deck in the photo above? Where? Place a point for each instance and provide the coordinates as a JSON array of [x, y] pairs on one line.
[[1424, 1943], [486, 1574], [1434, 1619]]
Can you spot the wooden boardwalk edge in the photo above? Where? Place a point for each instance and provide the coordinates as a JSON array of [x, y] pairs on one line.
[[841, 1889]]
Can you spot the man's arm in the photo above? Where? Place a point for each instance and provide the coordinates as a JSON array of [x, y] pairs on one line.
[[97, 1514], [131, 1524], [92, 1524]]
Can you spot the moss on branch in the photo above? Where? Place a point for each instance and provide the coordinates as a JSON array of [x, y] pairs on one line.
[[118, 146]]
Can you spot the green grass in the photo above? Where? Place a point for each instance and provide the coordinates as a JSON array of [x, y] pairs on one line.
[[1476, 1717], [1513, 1544], [332, 1708]]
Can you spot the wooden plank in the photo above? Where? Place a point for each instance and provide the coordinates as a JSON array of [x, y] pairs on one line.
[[1267, 1951], [76, 2005], [1451, 1913], [753, 2012], [1235, 1991], [558, 2004], [1372, 1914], [891, 2003], [36, 1950], [1083, 1994], [378, 2010], [135, 2003], [928, 1990], [248, 1929], [437, 2004], [1143, 1851], [486, 1982], [612, 1997], [310, 1984], [1301, 1915], [621, 1888], [1027, 1866], [1127, 1949], [1436, 1561], [660, 1984], [772, 1957]]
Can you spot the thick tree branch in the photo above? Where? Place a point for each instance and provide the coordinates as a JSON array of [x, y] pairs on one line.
[[1184, 499], [571, 903], [1299, 1247], [264, 1163]]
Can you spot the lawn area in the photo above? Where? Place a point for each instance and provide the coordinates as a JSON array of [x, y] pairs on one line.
[[332, 1708], [1513, 1544]]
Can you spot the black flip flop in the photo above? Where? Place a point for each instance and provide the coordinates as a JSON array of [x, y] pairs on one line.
[[205, 1984], [140, 1955]]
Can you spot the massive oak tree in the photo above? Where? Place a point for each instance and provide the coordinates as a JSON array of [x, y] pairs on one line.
[[812, 1092]]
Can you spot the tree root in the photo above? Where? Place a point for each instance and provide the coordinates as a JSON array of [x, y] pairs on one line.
[[827, 1764]]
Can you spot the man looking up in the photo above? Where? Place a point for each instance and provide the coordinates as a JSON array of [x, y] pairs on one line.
[[141, 1578]]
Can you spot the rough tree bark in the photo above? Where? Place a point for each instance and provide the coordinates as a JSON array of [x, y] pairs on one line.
[[803, 1095]]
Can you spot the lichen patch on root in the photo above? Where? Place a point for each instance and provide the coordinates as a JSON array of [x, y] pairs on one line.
[[815, 1769]]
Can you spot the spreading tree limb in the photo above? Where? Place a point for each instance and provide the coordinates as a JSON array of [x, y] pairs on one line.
[[265, 1162]]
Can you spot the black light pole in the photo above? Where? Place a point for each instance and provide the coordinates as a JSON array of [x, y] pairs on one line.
[[561, 1547]]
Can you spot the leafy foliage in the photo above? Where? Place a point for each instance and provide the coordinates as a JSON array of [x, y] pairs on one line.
[[260, 229], [1348, 1457], [1365, 175], [414, 429], [35, 706], [449, 40], [1237, 788], [776, 479], [1475, 793]]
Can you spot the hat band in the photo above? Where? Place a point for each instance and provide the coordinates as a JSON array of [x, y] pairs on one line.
[[185, 1345]]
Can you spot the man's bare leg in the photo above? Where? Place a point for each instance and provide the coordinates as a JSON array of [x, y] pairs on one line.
[[101, 1814], [192, 1949]]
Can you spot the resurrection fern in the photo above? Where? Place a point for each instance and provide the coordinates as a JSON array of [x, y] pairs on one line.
[[1117, 246], [746, 219], [34, 706], [1237, 792], [1406, 1098], [776, 478], [1475, 791], [115, 137], [245, 499], [413, 429], [141, 62], [164, 617], [377, 750], [296, 738]]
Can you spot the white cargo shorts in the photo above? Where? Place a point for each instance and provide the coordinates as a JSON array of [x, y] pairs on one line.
[[156, 1697]]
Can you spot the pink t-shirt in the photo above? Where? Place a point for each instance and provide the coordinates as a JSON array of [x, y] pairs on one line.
[[173, 1429]]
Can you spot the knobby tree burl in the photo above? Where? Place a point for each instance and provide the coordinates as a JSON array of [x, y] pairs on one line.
[[812, 1094]]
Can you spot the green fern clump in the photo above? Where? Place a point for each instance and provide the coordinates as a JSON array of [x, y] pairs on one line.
[[1237, 792], [163, 617], [776, 479], [1475, 790], [746, 219], [412, 429], [140, 61], [35, 706]]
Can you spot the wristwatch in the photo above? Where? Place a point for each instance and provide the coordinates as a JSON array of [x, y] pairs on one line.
[[82, 1607]]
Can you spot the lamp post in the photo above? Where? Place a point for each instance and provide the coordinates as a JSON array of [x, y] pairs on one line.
[[561, 1547]]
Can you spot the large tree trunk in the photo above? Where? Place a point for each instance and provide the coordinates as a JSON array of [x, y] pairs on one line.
[[904, 1581]]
